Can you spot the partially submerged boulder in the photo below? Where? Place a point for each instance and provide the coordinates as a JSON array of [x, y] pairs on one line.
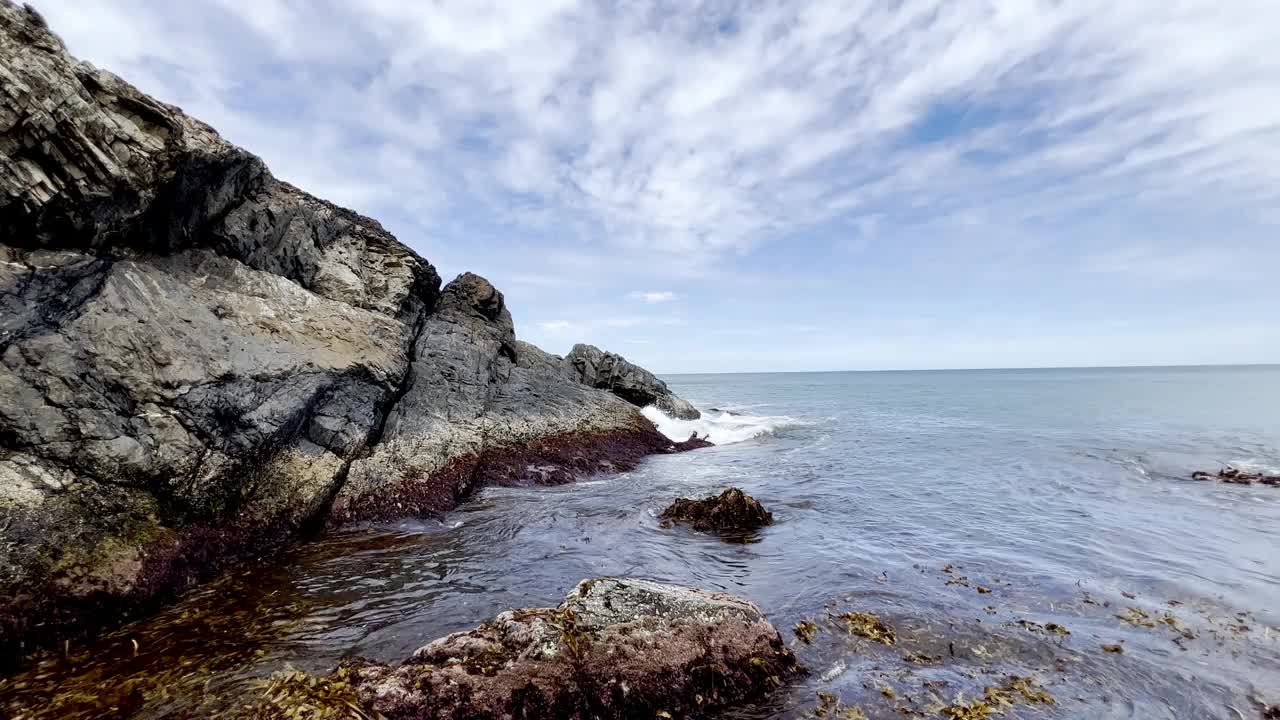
[[614, 648], [730, 510], [694, 443], [1236, 476]]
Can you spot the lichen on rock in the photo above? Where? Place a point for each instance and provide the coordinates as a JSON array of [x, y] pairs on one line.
[[614, 648]]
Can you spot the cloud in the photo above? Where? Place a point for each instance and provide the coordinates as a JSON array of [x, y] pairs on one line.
[[556, 326], [714, 128], [653, 297]]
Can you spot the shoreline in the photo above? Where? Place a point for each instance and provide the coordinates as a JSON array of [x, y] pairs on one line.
[[189, 557]]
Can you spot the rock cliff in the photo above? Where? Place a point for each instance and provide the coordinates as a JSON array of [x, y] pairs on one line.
[[198, 361]]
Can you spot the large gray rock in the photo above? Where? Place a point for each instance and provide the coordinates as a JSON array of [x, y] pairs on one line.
[[482, 407], [196, 359], [614, 648], [609, 371]]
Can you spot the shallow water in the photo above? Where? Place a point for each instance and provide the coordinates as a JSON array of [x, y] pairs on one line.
[[1061, 492]]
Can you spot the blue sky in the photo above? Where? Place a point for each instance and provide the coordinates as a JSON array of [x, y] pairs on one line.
[[737, 186]]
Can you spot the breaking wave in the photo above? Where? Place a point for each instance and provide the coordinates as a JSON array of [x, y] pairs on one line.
[[718, 426]]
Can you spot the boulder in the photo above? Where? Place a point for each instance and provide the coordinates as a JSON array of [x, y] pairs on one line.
[[614, 648], [199, 361], [608, 371], [728, 511]]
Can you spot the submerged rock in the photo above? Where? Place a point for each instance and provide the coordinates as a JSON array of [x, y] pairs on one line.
[[614, 648], [730, 510], [1235, 476], [609, 371]]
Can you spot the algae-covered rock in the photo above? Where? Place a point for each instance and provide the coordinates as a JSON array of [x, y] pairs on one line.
[[1235, 476], [614, 648], [730, 510]]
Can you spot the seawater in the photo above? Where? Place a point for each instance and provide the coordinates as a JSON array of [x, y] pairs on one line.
[[969, 510]]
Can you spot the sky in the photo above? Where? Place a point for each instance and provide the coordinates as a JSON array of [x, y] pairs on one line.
[[776, 186]]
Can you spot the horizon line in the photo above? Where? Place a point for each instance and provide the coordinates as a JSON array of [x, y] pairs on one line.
[[986, 369]]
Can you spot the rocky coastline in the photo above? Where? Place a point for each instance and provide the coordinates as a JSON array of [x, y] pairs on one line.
[[200, 362]]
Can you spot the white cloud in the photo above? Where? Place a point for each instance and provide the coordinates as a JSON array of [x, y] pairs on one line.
[[630, 321], [667, 131], [653, 296], [556, 326]]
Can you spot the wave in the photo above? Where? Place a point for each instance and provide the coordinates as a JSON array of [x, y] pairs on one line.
[[721, 428]]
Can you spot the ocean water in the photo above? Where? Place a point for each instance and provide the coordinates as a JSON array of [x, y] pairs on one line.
[[969, 510]]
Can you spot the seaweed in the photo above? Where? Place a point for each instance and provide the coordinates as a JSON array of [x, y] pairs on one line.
[[830, 706], [1136, 617], [292, 694], [960, 710], [1014, 690], [869, 626], [806, 631]]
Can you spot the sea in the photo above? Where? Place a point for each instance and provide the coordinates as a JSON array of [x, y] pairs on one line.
[[1034, 529]]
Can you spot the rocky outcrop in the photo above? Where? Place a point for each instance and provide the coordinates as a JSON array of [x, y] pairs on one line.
[[608, 371], [198, 361], [728, 511], [614, 648], [482, 407]]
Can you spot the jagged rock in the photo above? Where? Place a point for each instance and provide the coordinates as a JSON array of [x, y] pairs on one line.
[[730, 510], [197, 358], [614, 648], [608, 371], [1236, 476], [482, 407]]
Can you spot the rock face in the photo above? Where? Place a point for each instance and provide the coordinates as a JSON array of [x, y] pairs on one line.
[[614, 648], [198, 360], [730, 510], [608, 371], [482, 407]]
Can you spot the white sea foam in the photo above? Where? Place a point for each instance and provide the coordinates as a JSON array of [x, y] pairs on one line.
[[1254, 465], [721, 428]]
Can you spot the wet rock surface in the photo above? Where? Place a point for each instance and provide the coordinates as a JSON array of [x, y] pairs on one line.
[[693, 443], [198, 361], [614, 648], [609, 371], [1236, 476], [728, 511]]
